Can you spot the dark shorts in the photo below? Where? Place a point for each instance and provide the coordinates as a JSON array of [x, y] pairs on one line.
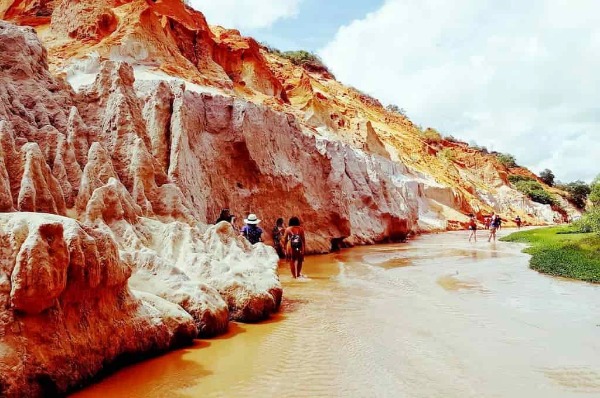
[[296, 255]]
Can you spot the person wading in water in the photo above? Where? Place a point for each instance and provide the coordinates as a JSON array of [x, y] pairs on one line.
[[494, 227], [518, 222], [277, 233], [295, 244], [472, 227]]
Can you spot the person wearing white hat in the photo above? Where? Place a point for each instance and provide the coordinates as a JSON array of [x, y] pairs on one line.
[[251, 230]]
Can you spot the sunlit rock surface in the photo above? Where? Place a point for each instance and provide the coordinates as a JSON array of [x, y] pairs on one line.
[[125, 133]]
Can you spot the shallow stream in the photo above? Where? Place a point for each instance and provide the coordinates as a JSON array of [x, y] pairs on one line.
[[435, 317]]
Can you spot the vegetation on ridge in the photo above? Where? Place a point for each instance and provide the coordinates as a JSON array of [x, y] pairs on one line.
[[561, 251], [303, 58], [547, 176], [578, 192], [533, 189], [507, 159]]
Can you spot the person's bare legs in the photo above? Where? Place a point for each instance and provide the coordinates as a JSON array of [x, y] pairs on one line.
[[293, 267], [299, 268]]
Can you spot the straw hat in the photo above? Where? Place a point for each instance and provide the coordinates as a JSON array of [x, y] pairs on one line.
[[252, 219]]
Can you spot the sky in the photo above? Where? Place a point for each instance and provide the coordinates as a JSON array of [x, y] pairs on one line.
[[521, 77]]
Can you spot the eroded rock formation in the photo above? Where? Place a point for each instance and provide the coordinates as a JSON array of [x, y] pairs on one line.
[[66, 309], [132, 271], [125, 138]]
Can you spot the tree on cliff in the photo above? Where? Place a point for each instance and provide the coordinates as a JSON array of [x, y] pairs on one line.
[[594, 195], [396, 109], [547, 176], [578, 192], [507, 159]]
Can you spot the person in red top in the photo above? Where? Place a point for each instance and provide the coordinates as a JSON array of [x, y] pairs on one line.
[[295, 244], [472, 227]]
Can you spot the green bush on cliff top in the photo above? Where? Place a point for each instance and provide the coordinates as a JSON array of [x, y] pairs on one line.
[[535, 191], [302, 58]]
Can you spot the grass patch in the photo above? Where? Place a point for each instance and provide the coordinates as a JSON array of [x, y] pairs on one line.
[[562, 251]]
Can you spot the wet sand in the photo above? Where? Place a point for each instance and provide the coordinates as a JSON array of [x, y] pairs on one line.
[[437, 316]]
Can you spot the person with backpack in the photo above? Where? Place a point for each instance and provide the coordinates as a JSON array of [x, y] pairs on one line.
[[496, 221], [251, 230], [295, 244], [518, 222], [277, 233]]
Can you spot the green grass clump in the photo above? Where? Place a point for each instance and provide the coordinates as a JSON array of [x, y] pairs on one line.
[[562, 251]]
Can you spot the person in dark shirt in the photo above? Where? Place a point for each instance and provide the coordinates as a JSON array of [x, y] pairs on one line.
[[277, 233], [225, 216], [251, 230], [494, 226]]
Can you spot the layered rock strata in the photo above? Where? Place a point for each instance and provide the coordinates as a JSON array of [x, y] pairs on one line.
[[132, 271], [66, 309]]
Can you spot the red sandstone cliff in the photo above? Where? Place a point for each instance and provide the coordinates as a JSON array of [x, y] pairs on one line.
[[135, 126]]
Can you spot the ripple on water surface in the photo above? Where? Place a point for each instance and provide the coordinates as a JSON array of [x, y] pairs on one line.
[[398, 320]]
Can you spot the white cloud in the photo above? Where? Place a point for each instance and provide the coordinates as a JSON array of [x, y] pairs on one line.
[[516, 76], [246, 14]]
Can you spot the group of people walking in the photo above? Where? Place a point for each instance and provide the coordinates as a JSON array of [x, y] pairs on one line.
[[492, 223], [289, 242]]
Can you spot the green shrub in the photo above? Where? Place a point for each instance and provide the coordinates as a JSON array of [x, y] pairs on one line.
[[578, 192], [396, 109], [594, 195], [535, 191], [507, 159], [431, 135], [513, 178], [589, 222], [305, 59]]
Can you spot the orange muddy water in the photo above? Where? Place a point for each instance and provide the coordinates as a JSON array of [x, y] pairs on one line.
[[435, 317]]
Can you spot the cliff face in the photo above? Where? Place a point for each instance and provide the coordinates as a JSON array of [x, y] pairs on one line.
[[166, 41], [130, 271], [131, 127]]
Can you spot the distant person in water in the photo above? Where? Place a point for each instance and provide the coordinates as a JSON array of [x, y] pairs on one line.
[[472, 227], [494, 227], [225, 216], [278, 231], [488, 221], [251, 230], [295, 244], [518, 222]]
